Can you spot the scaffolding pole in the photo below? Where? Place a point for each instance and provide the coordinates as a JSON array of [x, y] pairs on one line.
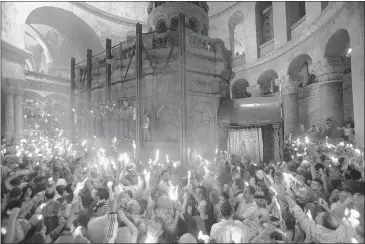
[[72, 98], [88, 98], [138, 90], [108, 78], [183, 151]]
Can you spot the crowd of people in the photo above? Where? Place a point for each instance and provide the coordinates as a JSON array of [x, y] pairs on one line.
[[54, 191]]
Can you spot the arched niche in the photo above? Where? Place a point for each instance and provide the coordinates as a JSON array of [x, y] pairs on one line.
[[299, 68], [266, 81], [236, 31], [264, 22], [80, 34], [339, 46], [239, 89]]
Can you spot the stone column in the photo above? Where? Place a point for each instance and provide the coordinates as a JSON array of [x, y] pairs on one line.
[[276, 134], [289, 93], [8, 130], [18, 113], [330, 75]]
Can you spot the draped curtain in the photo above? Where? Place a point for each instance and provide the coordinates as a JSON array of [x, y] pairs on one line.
[[246, 142]]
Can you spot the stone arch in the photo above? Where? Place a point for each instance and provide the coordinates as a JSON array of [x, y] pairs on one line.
[[299, 69], [236, 30], [264, 23], [33, 95], [33, 33], [266, 81], [161, 26], [84, 38], [338, 44], [239, 88]]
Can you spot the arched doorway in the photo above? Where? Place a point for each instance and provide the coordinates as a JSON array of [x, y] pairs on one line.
[[299, 70], [239, 89], [65, 34], [267, 82]]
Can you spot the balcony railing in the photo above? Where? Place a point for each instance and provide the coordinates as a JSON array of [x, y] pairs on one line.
[[32, 75]]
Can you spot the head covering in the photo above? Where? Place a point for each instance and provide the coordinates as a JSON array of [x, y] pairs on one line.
[[187, 238]]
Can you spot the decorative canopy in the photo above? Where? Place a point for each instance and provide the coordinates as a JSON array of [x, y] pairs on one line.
[[249, 111]]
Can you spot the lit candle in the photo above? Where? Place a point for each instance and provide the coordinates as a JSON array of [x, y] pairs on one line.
[[134, 149], [189, 174], [173, 192], [202, 237], [167, 158], [277, 203], [147, 177]]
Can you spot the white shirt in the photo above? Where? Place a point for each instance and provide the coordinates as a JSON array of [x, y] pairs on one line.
[[227, 231], [247, 210]]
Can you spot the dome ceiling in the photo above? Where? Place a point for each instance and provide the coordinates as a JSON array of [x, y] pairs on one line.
[[138, 10]]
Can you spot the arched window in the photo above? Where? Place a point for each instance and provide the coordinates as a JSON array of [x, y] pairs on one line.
[[236, 32], [194, 24], [161, 26], [298, 69], [267, 82], [239, 89], [264, 22]]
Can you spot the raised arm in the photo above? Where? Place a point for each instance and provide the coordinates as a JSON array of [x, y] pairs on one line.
[[10, 232]]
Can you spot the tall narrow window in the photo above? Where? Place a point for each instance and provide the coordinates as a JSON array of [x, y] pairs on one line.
[[268, 32]]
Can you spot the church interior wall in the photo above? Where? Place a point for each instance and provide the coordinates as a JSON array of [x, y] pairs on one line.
[[292, 36]]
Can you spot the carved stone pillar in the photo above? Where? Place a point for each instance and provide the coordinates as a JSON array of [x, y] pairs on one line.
[[289, 92], [330, 75], [18, 112], [276, 133], [8, 130]]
